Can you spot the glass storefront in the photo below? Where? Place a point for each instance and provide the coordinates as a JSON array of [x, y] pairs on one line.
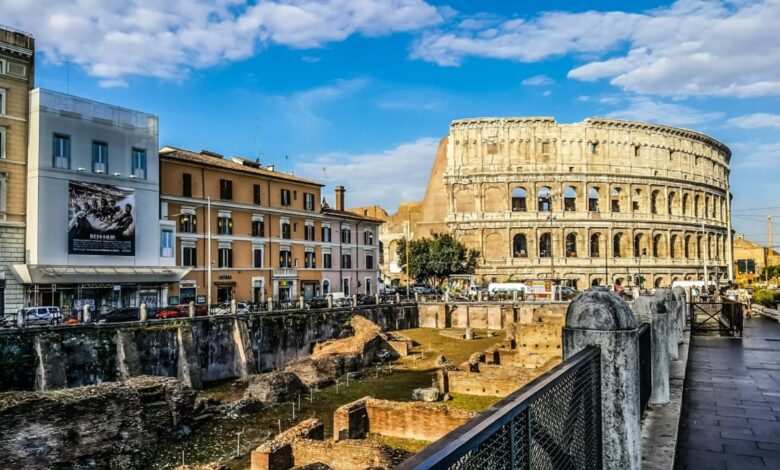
[[101, 297]]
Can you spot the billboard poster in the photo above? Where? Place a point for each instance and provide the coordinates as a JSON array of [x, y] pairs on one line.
[[101, 219]]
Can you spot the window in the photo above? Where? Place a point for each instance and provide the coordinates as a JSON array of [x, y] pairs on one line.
[[569, 199], [325, 233], [545, 147], [544, 199], [285, 196], [687, 247], [636, 150], [166, 243], [308, 232], [519, 200], [672, 247], [186, 185], [2, 141], [225, 257], [594, 147], [616, 245], [61, 152], [368, 237], [188, 256], [257, 257], [308, 201], [345, 286], [325, 287], [670, 203], [3, 191], [654, 202], [187, 223], [99, 157], [309, 260], [615, 200], [285, 258], [256, 194], [594, 245], [657, 241], [369, 261], [638, 245], [326, 261], [545, 246], [346, 235], [224, 225], [286, 234], [593, 200], [139, 163], [226, 190], [519, 246], [571, 245], [258, 228], [346, 261]]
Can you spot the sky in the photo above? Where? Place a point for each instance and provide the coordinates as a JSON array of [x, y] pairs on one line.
[[359, 92]]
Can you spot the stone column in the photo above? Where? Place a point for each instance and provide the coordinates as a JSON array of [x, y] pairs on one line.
[[647, 309], [666, 297], [682, 313], [142, 313], [191, 309], [233, 306], [600, 318]]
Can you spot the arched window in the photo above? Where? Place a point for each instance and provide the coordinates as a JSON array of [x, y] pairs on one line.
[[594, 245], [706, 206], [670, 203], [544, 197], [699, 248], [696, 202], [654, 201], [545, 246], [570, 199], [638, 246], [635, 201], [325, 286], [615, 200], [519, 246], [616, 245], [657, 246], [687, 247], [593, 200], [672, 247], [519, 200], [685, 201], [571, 245], [657, 282]]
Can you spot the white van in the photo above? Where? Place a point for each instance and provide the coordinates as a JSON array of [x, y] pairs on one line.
[[518, 287], [49, 315]]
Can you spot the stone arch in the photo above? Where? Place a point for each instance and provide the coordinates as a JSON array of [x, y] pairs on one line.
[[659, 246], [545, 245], [685, 209], [617, 242], [687, 249], [520, 246], [570, 199], [671, 200], [495, 246], [593, 199], [636, 200], [658, 282], [392, 251], [544, 198], [571, 245], [655, 198], [674, 249], [639, 245], [493, 199], [696, 205], [464, 199], [615, 197], [519, 199], [593, 246]]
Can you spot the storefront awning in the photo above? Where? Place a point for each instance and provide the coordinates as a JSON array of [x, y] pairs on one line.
[[44, 274]]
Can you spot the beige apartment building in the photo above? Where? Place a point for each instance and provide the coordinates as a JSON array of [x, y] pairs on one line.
[[594, 202], [17, 59], [270, 235]]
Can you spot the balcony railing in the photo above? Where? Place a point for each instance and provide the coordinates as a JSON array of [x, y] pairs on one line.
[[285, 272]]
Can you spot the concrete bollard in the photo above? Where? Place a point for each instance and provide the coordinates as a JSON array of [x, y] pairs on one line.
[[191, 309], [416, 296], [330, 301], [354, 300], [270, 304], [87, 317], [301, 303], [682, 311], [514, 296], [447, 297], [233, 306], [397, 298], [666, 296], [378, 300], [647, 309], [600, 318], [142, 313], [469, 334]]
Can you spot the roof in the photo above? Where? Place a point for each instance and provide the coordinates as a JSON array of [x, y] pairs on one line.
[[218, 161], [351, 216]]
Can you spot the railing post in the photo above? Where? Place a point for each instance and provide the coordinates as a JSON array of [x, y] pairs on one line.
[[330, 301], [648, 309], [301, 303], [191, 309], [270, 304], [666, 296], [397, 298], [142, 313], [233, 306], [600, 318], [682, 311]]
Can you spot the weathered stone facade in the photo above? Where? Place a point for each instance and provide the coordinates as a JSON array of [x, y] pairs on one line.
[[624, 198]]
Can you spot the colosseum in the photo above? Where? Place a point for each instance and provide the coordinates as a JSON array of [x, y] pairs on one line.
[[596, 201]]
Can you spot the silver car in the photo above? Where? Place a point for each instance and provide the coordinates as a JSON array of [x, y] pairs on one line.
[[38, 316]]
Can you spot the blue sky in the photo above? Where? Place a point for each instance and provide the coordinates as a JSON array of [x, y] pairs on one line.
[[360, 91]]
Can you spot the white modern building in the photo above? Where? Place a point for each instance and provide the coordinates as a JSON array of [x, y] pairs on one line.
[[94, 234]]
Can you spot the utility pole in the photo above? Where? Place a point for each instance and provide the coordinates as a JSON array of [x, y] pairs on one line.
[[706, 256], [406, 246], [208, 251], [771, 258]]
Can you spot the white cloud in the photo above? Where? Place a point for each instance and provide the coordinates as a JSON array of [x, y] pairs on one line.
[[691, 48], [385, 178], [756, 120], [538, 80], [749, 155], [113, 39], [645, 109], [301, 107]]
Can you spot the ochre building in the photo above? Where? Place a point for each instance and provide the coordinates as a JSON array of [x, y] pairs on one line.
[[596, 201]]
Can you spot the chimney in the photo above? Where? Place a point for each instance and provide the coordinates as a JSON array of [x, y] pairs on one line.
[[340, 198]]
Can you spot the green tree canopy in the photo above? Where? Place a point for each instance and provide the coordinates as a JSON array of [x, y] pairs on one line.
[[433, 260]]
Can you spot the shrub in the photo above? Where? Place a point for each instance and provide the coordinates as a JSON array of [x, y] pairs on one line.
[[766, 297]]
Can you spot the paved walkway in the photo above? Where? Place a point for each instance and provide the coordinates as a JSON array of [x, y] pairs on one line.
[[731, 406]]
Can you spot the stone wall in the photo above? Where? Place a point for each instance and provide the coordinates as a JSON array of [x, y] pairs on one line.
[[194, 350], [111, 425], [482, 315], [408, 420]]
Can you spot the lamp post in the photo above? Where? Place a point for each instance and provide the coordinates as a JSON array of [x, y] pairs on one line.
[[208, 246], [549, 199], [641, 279]]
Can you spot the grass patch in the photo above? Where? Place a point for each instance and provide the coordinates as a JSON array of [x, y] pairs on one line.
[[471, 402], [431, 344], [409, 445]]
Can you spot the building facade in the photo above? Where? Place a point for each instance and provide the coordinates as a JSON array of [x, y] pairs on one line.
[[94, 235], [17, 52], [266, 233], [751, 260], [595, 202]]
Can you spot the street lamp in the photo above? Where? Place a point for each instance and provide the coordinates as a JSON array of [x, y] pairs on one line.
[[548, 198], [641, 279], [208, 246]]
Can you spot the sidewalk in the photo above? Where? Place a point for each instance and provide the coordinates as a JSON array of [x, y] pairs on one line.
[[731, 406]]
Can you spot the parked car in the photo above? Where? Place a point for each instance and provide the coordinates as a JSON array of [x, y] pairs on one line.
[[342, 302], [366, 299], [423, 290], [125, 314], [318, 302], [224, 309], [181, 311], [48, 315]]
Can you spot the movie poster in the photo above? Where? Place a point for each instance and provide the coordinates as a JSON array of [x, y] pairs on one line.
[[101, 219]]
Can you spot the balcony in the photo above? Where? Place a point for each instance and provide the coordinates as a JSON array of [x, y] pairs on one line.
[[288, 273]]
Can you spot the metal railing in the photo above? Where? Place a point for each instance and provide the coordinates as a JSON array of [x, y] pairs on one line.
[[723, 317], [553, 422], [645, 367]]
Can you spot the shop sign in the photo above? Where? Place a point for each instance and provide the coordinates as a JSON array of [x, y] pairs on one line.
[[186, 284], [54, 287], [285, 283], [117, 287], [201, 299], [96, 286], [226, 276]]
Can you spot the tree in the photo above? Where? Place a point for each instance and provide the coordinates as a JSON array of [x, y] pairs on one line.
[[433, 260]]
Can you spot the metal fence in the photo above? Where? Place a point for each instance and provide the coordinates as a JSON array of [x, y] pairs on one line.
[[724, 318], [552, 423], [645, 367]]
